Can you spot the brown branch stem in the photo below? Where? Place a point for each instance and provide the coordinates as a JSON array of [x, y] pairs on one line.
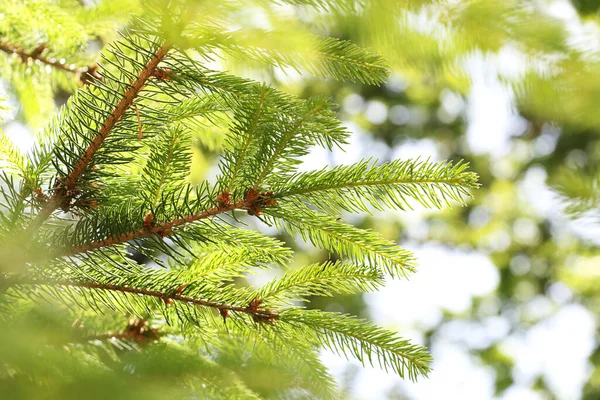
[[253, 309], [36, 55], [137, 330], [125, 102], [69, 183], [161, 229]]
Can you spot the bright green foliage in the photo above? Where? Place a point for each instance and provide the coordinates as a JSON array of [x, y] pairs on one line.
[[102, 221], [359, 245], [356, 187], [60, 33], [321, 280], [581, 190]]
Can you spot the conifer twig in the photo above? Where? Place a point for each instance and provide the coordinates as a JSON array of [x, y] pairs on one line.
[[166, 228], [259, 314], [136, 330], [37, 55], [70, 181]]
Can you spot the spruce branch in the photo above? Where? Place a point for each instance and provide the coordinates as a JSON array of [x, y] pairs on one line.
[[579, 190], [168, 164], [390, 184], [36, 54], [136, 330], [118, 160], [61, 193], [240, 155], [84, 74], [324, 279], [368, 343], [254, 202], [117, 114], [161, 229], [322, 56], [359, 245], [254, 309], [283, 144]]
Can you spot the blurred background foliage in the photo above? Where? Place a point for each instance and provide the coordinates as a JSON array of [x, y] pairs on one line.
[[508, 292]]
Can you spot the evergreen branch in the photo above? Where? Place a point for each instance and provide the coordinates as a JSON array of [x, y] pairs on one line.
[[70, 181], [167, 165], [117, 114], [321, 56], [253, 205], [295, 129], [37, 55], [161, 229], [352, 336], [390, 184], [281, 346], [307, 123], [361, 246], [136, 330], [322, 280], [11, 155], [253, 309], [580, 190], [242, 152], [234, 252]]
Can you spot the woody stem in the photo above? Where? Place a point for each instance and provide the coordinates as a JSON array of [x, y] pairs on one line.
[[163, 229], [70, 181], [255, 311], [24, 55]]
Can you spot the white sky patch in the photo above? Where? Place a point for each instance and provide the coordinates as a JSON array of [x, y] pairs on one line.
[[446, 279], [582, 35], [412, 149], [474, 334], [543, 202], [491, 116], [19, 135], [521, 393], [376, 112], [557, 349], [585, 228], [288, 75], [369, 383], [456, 375], [534, 192], [491, 109], [360, 145]]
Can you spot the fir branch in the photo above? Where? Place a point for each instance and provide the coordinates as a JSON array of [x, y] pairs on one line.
[[37, 55], [390, 184], [161, 229], [12, 156], [352, 336], [240, 154], [70, 181], [167, 165], [322, 56], [254, 308], [125, 102], [253, 205], [359, 245], [283, 144], [307, 123], [579, 190], [136, 330], [322, 280]]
